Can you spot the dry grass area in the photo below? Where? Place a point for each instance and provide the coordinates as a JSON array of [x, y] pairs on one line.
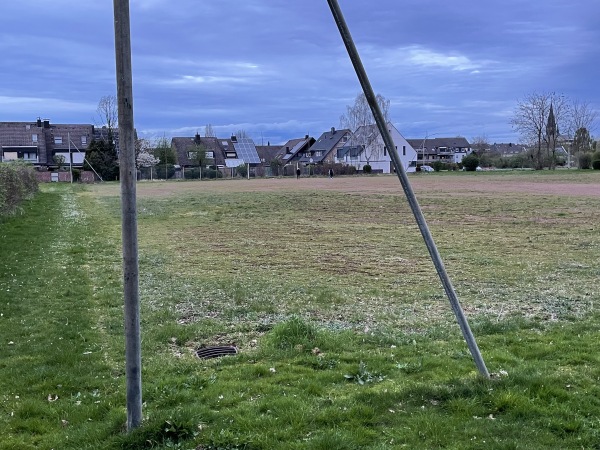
[[345, 252], [543, 183]]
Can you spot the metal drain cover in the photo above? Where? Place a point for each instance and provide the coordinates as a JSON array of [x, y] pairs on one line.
[[216, 352]]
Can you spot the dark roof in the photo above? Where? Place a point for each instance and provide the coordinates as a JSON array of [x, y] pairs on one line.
[[447, 142], [182, 145], [267, 153], [325, 144], [21, 134], [294, 147], [509, 148]]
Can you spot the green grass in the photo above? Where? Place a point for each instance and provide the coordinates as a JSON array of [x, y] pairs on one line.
[[346, 339]]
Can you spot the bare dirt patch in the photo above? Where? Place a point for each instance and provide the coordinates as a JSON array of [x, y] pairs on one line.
[[526, 184]]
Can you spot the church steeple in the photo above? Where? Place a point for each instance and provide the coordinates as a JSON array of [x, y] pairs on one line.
[[551, 127]]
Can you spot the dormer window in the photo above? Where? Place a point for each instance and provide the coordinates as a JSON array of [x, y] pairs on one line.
[[58, 139]]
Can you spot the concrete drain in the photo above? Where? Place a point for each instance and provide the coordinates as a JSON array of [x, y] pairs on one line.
[[216, 352]]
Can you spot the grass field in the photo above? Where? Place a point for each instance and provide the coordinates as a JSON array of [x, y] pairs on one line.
[[346, 339]]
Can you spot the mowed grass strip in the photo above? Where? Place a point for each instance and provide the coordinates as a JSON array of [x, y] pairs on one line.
[[346, 340]]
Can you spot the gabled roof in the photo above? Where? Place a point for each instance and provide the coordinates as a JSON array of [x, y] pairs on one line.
[[458, 142], [509, 148], [325, 144], [292, 147], [267, 153], [182, 145]]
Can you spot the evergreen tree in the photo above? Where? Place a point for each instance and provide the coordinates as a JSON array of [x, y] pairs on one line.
[[101, 156]]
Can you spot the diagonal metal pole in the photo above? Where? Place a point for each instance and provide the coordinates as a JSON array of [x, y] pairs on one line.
[[133, 354], [412, 199]]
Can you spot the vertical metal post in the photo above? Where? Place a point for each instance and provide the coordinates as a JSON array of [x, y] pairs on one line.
[[133, 358], [412, 200]]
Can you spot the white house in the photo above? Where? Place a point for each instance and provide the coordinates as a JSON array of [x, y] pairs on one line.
[[366, 147]]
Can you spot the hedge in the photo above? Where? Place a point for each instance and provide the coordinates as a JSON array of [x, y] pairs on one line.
[[17, 183]]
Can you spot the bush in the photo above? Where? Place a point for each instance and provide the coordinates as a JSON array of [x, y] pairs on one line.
[[470, 162], [161, 170], [242, 170], [585, 160], [438, 165], [17, 183], [596, 160], [367, 168]]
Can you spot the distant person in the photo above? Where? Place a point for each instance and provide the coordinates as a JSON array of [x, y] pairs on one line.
[[298, 173], [330, 172]]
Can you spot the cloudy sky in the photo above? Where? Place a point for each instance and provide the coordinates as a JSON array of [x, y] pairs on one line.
[[278, 69]]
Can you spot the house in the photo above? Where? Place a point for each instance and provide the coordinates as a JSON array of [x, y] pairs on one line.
[[507, 150], [40, 142], [366, 146], [184, 148], [324, 150], [446, 150], [294, 149]]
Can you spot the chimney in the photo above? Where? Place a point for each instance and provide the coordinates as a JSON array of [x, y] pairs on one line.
[[287, 149], [46, 123], [306, 136], [39, 122], [332, 130], [197, 139]]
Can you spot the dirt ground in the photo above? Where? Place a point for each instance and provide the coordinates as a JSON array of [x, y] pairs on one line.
[[586, 185]]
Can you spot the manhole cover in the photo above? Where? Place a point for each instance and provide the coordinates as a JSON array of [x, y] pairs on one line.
[[215, 352]]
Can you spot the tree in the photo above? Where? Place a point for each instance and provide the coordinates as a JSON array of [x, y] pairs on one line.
[[101, 156], [480, 144], [198, 156], [59, 160], [241, 134], [581, 116], [275, 166], [242, 170], [470, 162], [166, 156], [108, 113], [582, 142], [359, 116], [208, 131], [530, 119]]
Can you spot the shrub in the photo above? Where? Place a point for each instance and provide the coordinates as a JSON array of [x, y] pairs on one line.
[[470, 162], [242, 170], [585, 160], [367, 168], [17, 183], [596, 160], [438, 165]]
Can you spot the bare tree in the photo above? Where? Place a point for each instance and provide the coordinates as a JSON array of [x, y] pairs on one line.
[[530, 119], [208, 131], [582, 116], [241, 134], [480, 144], [108, 112], [360, 121]]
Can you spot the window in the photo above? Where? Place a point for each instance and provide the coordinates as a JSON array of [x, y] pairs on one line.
[[83, 140], [58, 139], [384, 151], [34, 137], [404, 150], [210, 155]]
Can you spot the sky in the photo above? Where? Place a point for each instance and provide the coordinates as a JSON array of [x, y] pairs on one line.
[[278, 69]]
